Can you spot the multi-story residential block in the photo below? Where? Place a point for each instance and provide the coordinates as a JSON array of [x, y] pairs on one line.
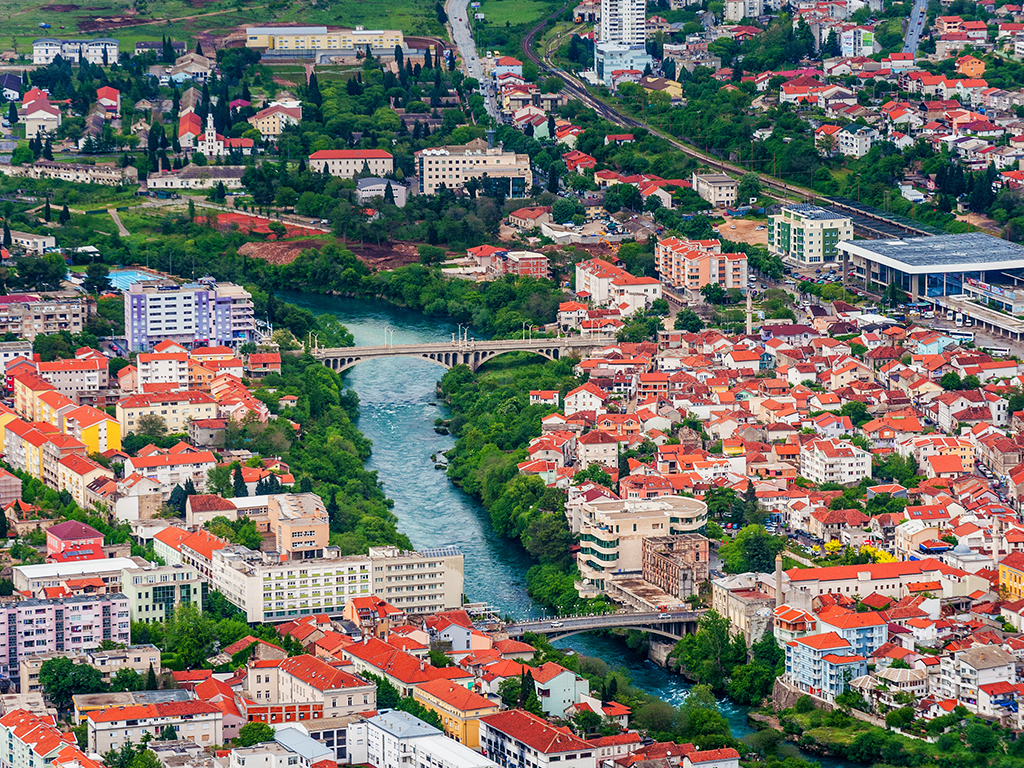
[[107, 174], [60, 625], [962, 673], [268, 589], [304, 688], [747, 601], [692, 264], [155, 591], [459, 708], [32, 741], [559, 688], [346, 163], [175, 408], [162, 368], [834, 461], [516, 738], [194, 314], [608, 284], [396, 739], [856, 140], [306, 41], [196, 721], [807, 234], [96, 429], [140, 658], [884, 578], [29, 315], [612, 532], [102, 51], [622, 21], [70, 377], [823, 665], [452, 166], [717, 188], [737, 10], [865, 631]]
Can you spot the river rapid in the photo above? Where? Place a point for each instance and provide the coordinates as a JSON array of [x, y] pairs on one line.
[[398, 405]]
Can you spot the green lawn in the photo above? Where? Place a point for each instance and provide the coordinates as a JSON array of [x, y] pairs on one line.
[[497, 12], [22, 18]]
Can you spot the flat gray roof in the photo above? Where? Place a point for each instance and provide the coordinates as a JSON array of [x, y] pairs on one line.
[[814, 212], [970, 252]]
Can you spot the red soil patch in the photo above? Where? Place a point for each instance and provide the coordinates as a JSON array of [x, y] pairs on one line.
[[259, 225], [377, 258], [284, 252]]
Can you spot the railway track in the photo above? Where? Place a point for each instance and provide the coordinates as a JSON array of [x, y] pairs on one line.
[[575, 87]]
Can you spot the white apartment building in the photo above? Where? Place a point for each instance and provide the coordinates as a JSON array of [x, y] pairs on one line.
[[30, 741], [196, 314], [346, 163], [857, 140], [33, 243], [101, 51], [290, 748], [923, 446], [29, 315], [162, 368], [622, 21], [71, 377], [454, 165], [807, 234], [175, 408], [196, 721], [612, 533], [395, 739], [173, 469], [737, 10], [517, 738], [270, 590], [963, 672], [834, 461], [717, 188], [605, 284]]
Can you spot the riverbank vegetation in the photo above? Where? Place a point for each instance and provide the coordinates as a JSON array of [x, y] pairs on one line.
[[954, 739], [494, 422], [711, 657]]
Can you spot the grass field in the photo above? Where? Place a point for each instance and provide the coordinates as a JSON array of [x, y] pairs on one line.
[[184, 19], [515, 12]]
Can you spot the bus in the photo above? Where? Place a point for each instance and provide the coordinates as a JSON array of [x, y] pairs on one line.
[[961, 336], [997, 351]]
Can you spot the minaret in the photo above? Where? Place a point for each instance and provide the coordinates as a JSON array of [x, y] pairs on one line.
[[211, 135], [750, 313], [778, 578]]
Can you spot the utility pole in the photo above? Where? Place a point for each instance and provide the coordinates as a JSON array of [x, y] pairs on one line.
[[750, 312]]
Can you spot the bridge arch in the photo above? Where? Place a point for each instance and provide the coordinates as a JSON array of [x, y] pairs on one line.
[[661, 632], [473, 358]]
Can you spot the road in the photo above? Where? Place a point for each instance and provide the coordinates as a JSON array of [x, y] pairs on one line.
[[915, 26], [117, 220], [462, 38]]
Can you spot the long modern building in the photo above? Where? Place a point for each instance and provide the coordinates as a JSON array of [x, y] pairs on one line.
[[101, 51], [309, 41], [454, 165], [196, 314], [963, 273], [268, 589]]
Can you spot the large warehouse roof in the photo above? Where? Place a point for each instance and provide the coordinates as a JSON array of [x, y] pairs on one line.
[[971, 252]]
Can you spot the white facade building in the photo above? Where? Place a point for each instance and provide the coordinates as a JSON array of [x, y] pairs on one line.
[[101, 51], [834, 461], [395, 739]]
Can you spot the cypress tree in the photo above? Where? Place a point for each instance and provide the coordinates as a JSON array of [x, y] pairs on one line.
[[7, 234], [239, 484], [46, 210], [65, 215], [151, 681]]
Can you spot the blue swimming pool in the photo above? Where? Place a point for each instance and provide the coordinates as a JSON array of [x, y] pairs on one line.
[[122, 278]]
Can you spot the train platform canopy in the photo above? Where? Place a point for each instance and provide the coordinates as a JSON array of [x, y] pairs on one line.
[[969, 252]]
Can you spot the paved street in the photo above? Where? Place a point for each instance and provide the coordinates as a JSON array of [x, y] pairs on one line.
[[458, 17], [915, 26]]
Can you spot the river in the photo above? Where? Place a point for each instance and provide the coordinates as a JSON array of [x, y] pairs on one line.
[[397, 409]]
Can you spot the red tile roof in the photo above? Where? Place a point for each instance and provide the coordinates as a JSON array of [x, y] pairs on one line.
[[534, 732]]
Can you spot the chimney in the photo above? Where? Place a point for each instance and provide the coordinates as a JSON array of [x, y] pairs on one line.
[[422, 665], [778, 580], [490, 138]]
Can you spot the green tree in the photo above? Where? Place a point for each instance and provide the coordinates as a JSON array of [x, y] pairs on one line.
[[713, 293], [65, 215], [749, 187], [151, 681], [238, 483], [189, 633], [127, 679], [689, 321], [145, 758], [151, 425], [753, 549], [253, 733], [951, 381]]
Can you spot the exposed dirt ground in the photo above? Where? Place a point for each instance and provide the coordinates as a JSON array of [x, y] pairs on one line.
[[984, 222], [375, 257], [745, 232]]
